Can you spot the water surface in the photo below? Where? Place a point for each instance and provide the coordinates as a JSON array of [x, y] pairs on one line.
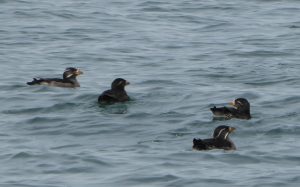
[[181, 58]]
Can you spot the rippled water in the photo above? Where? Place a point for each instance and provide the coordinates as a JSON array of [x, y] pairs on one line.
[[181, 58]]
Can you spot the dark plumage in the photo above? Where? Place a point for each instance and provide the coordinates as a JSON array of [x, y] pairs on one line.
[[241, 110], [69, 79], [220, 140], [117, 92]]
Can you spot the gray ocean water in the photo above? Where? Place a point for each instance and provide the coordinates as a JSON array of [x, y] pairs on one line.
[[181, 57]]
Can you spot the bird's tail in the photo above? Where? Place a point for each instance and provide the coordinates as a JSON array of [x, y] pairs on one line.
[[214, 109], [35, 81], [199, 144], [220, 111]]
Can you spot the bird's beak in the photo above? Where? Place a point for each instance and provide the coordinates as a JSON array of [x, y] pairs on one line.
[[232, 103], [231, 129], [78, 72]]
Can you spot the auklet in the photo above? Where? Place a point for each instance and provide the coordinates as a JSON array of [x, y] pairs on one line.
[[69, 79], [117, 92], [241, 110], [220, 140]]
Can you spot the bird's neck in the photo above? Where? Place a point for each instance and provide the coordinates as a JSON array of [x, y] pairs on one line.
[[244, 110], [118, 89]]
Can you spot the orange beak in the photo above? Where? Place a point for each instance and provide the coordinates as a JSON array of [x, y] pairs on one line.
[[232, 103], [78, 72], [231, 129]]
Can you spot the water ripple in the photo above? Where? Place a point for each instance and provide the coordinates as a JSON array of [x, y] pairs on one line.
[[181, 57]]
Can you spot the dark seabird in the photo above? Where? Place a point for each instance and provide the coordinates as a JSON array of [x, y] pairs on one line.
[[69, 79], [220, 140], [117, 92], [241, 110]]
